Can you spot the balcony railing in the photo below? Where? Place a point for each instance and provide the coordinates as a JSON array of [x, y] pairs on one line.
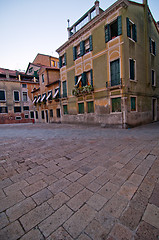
[[114, 84]]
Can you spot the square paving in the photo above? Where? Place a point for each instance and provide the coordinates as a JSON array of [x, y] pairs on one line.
[[67, 182]]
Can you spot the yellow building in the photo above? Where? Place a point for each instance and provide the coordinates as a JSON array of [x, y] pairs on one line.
[[109, 66]]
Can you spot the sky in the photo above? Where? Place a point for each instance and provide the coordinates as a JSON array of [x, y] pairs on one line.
[[29, 27]]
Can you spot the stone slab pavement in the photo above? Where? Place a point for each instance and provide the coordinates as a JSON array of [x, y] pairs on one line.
[[64, 182]]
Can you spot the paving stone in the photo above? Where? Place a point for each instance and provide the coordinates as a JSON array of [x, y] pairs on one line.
[[50, 224], [50, 179], [93, 186], [79, 221], [135, 179], [3, 220], [15, 187], [108, 190], [146, 188], [73, 189], [104, 178], [59, 174], [5, 183], [60, 233], [79, 199], [85, 180], [12, 232], [154, 199], [127, 190], [59, 185], [37, 169], [139, 202], [21, 176], [35, 178], [20, 209], [120, 232], [34, 234], [97, 202], [33, 188], [98, 171], [96, 231], [116, 205], [42, 196], [146, 231], [73, 176], [117, 180], [151, 215], [35, 216], [58, 200], [2, 195], [11, 200]]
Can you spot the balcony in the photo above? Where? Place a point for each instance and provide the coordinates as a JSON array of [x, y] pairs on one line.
[[114, 84]]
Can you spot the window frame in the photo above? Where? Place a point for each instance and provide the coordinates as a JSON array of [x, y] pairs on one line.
[[51, 113], [135, 104], [42, 78], [24, 84], [65, 111], [87, 106], [33, 114], [83, 108], [153, 85], [26, 96], [4, 95], [3, 107], [114, 112], [152, 47], [134, 80], [14, 95], [111, 82], [133, 28], [19, 108], [64, 93]]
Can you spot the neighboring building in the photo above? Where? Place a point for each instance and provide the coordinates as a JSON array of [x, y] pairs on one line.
[[46, 98], [15, 96], [109, 66]]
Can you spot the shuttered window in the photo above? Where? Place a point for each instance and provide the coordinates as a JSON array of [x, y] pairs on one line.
[[116, 104], [84, 80], [133, 103], [16, 96], [17, 109], [64, 87], [3, 110], [115, 72], [132, 69], [152, 47], [131, 30], [51, 113], [65, 109], [153, 78], [82, 48], [113, 29], [2, 95], [74, 53], [80, 108], [90, 107]]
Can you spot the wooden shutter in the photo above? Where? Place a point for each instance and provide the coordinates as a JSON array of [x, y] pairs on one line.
[[119, 25], [60, 62], [133, 104], [64, 86], [65, 61], [90, 43], [128, 27], [132, 69], [82, 48], [134, 32], [84, 83], [107, 33], [74, 53], [91, 71]]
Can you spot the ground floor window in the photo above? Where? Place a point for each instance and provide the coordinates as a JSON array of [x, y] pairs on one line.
[[17, 109], [133, 104], [80, 108], [26, 116], [65, 111], [90, 107], [3, 110], [26, 108], [18, 118], [51, 113], [116, 104], [36, 114], [42, 115], [58, 113], [31, 114]]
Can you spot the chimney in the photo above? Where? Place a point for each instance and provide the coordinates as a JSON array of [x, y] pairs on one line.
[[145, 2], [97, 7]]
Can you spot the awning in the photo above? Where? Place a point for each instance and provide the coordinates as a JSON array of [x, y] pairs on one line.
[[34, 100], [44, 96], [56, 93], [49, 95], [38, 99], [78, 81]]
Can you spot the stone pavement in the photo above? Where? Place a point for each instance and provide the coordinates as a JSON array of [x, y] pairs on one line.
[[64, 182]]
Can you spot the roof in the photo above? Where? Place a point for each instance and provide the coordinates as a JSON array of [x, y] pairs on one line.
[[10, 72]]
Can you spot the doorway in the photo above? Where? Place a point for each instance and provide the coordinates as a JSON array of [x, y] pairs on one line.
[[46, 113]]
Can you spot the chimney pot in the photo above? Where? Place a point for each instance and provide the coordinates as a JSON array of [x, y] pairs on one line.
[[97, 7]]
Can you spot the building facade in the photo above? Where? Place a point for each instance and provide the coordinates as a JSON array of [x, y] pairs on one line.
[[109, 66], [15, 96]]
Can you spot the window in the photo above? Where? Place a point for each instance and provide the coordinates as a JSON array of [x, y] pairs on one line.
[[133, 104], [25, 96], [152, 47], [132, 69], [42, 115], [80, 108], [2, 95], [51, 113], [36, 114], [31, 114], [24, 85], [83, 48], [53, 63], [64, 87], [30, 69], [3, 110], [58, 113], [17, 109], [153, 77], [85, 79], [43, 99], [26, 108], [62, 60], [38, 100], [56, 95], [49, 96], [131, 30], [16, 96], [113, 29], [18, 118], [26, 116], [65, 111], [115, 72], [116, 104], [90, 107], [42, 78]]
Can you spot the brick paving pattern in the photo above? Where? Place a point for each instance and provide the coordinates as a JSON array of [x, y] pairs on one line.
[[66, 182]]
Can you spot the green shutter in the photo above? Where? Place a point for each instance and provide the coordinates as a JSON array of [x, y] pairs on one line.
[[84, 83], [90, 107], [82, 48], [107, 33], [128, 27], [119, 25], [65, 111], [134, 32], [132, 69], [90, 43], [81, 108], [133, 104], [74, 53], [91, 77], [76, 79], [65, 59], [116, 104], [64, 86], [60, 62], [115, 72]]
